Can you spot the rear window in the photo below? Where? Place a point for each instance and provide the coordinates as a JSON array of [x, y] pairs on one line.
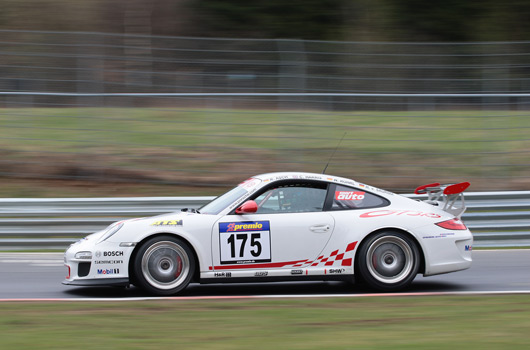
[[345, 198]]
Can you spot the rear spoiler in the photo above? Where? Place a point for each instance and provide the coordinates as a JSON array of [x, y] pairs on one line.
[[451, 196]]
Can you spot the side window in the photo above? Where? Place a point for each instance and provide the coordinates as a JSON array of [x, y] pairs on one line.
[[294, 198], [345, 198]]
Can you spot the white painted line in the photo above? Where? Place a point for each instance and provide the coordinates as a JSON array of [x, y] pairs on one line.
[[286, 296]]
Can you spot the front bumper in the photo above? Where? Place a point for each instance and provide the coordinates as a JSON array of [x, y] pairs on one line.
[[107, 263]]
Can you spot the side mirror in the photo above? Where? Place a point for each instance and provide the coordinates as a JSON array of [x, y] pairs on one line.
[[248, 207]]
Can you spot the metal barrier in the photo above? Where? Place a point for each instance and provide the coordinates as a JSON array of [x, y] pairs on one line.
[[497, 219]]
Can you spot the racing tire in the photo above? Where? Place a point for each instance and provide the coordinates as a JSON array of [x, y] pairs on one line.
[[388, 261], [164, 265]]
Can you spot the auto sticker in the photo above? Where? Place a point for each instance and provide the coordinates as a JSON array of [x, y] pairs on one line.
[[349, 195]]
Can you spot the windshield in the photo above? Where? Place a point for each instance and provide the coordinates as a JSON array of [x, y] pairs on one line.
[[221, 202]]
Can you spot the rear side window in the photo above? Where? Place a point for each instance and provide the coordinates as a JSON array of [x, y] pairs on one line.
[[346, 198]]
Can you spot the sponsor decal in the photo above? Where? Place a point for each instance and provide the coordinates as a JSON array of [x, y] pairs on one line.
[[243, 226], [297, 272], [313, 177], [468, 248], [111, 253], [349, 195], [336, 270], [384, 191], [349, 182], [108, 271], [261, 273], [250, 183], [244, 242], [222, 274], [108, 262], [281, 178], [441, 235], [167, 223], [378, 213]]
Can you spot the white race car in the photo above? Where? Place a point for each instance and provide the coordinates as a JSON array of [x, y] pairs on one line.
[[283, 226]]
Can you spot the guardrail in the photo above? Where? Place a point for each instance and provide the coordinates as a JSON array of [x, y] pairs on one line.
[[497, 219]]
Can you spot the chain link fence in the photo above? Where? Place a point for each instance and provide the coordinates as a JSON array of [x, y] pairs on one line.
[[212, 111]]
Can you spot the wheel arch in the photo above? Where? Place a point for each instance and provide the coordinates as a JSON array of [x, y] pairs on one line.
[[407, 233], [197, 272]]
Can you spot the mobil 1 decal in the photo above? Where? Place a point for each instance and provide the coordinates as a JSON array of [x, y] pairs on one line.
[[245, 242]]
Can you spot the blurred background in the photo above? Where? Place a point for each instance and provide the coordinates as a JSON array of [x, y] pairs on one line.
[[190, 97]]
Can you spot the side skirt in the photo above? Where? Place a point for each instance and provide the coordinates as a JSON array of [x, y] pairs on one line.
[[346, 278]]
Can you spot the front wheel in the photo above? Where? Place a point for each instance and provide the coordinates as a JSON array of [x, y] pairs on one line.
[[164, 265], [388, 261]]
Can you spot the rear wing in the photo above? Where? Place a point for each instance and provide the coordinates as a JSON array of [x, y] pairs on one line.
[[450, 197]]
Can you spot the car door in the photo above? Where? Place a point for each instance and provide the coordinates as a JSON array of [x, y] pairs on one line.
[[288, 229]]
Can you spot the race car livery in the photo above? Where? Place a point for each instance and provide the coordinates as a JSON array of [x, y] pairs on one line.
[[283, 226]]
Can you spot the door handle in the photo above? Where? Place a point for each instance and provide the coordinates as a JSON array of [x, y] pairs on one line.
[[320, 228]]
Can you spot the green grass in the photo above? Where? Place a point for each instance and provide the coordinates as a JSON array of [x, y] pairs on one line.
[[393, 150], [471, 322]]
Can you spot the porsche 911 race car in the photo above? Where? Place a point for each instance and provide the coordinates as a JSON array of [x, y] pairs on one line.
[[283, 226]]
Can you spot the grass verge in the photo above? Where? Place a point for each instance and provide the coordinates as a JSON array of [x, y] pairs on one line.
[[441, 322], [170, 151]]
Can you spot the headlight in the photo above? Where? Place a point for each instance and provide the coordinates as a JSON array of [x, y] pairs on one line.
[[112, 229], [83, 255]]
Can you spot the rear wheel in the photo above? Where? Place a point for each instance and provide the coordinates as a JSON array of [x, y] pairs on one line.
[[388, 261], [164, 265]]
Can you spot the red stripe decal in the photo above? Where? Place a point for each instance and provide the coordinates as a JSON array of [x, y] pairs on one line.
[[346, 262], [329, 263], [258, 266], [351, 246], [335, 253], [339, 257]]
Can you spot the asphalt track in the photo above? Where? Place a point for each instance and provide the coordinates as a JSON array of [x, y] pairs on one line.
[[38, 276]]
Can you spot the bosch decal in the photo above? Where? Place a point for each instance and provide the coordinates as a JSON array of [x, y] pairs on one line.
[[113, 253], [349, 196], [108, 271], [167, 223], [245, 242]]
